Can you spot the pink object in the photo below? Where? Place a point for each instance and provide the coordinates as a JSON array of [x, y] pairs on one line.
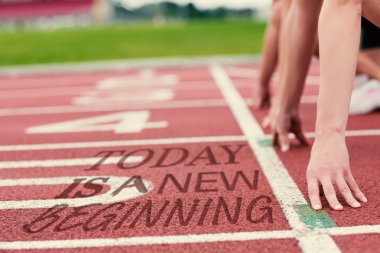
[[366, 98], [36, 8]]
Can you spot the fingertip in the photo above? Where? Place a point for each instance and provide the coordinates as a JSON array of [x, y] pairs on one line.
[[317, 207], [285, 148], [360, 196], [338, 207], [284, 141]]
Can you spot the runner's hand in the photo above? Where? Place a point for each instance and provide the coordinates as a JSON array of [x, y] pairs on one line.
[[329, 166], [281, 125]]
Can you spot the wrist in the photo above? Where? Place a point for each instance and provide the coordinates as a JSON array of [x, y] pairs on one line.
[[280, 106], [288, 104], [329, 133], [327, 127]]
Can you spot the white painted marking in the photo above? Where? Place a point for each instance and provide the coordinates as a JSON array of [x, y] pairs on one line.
[[133, 81], [354, 230], [122, 143], [131, 96], [127, 122], [112, 107], [146, 72], [118, 106], [307, 99], [73, 89], [180, 239], [140, 88], [252, 73], [65, 162], [43, 92], [106, 198], [349, 133], [357, 133], [243, 72], [123, 65], [146, 240], [283, 186]]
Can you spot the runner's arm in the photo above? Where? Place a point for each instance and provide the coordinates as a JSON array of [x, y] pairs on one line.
[[339, 32]]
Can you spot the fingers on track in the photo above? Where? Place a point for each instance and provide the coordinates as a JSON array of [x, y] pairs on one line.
[[345, 190], [330, 194], [313, 191]]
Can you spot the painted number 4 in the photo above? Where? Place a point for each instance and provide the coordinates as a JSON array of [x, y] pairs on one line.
[[119, 123]]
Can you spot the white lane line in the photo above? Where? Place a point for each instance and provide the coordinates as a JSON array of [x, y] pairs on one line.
[[349, 133], [104, 198], [65, 162], [354, 230], [243, 72], [122, 106], [251, 73], [43, 92], [111, 107], [283, 186], [124, 65], [97, 144], [357, 133], [105, 85], [73, 88], [146, 240], [180, 239]]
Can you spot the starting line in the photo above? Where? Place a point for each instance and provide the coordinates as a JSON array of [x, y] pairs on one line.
[[65, 162], [118, 106], [180, 239], [71, 145], [266, 138]]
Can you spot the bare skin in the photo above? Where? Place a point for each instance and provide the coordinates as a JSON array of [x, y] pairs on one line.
[[368, 59], [334, 168], [339, 31], [270, 57], [297, 43]]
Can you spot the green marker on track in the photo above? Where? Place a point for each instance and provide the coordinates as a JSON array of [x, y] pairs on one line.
[[265, 142], [314, 219]]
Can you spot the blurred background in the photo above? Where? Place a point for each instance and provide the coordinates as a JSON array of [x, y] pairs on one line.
[[52, 31]]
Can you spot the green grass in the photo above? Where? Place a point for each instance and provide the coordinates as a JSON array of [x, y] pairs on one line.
[[131, 41]]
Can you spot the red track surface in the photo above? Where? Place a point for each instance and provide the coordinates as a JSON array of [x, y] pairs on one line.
[[215, 191]]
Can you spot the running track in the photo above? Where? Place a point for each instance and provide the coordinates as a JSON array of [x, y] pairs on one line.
[[166, 160]]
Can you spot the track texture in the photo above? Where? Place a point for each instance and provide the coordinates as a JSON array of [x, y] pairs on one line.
[[160, 160]]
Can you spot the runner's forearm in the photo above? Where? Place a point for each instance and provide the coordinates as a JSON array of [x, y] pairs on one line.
[[339, 33], [298, 42]]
